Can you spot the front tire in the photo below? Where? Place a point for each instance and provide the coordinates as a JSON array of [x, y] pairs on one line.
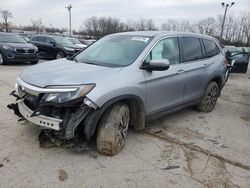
[[112, 129], [209, 98], [34, 62]]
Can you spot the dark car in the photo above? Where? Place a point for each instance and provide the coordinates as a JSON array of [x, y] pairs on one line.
[[54, 47], [14, 48], [240, 61]]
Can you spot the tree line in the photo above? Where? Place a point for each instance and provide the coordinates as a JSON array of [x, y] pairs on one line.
[[236, 29]]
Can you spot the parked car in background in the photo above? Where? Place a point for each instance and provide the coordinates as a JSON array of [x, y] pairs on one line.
[[240, 59], [13, 48], [87, 42], [54, 47], [122, 80], [77, 43], [25, 38]]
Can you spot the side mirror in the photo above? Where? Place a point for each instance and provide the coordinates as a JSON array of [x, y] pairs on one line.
[[156, 65]]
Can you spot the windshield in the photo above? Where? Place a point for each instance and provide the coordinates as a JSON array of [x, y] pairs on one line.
[[75, 41], [114, 50], [11, 38], [62, 40]]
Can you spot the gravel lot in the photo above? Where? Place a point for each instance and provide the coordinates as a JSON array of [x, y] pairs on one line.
[[185, 149]]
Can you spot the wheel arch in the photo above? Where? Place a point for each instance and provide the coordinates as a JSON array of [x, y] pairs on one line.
[[218, 80], [137, 114]]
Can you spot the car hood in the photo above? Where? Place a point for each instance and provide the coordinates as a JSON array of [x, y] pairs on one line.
[[19, 45], [64, 72]]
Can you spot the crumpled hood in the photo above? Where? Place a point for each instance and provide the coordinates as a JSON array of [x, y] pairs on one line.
[[19, 45], [63, 72]]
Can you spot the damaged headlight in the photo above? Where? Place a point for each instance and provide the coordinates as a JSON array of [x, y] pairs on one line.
[[62, 97]]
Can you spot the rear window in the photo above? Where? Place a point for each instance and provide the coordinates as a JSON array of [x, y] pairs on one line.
[[211, 48], [191, 48]]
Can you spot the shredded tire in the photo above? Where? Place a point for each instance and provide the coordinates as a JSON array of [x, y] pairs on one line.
[[112, 129]]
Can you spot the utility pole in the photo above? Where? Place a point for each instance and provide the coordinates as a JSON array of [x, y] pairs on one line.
[[226, 6], [69, 7]]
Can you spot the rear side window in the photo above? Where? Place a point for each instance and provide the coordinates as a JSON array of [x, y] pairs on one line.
[[191, 48], [34, 39], [39, 39], [211, 48], [48, 40]]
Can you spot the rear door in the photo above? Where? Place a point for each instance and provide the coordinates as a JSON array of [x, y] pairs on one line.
[[40, 45], [164, 88], [195, 66], [49, 47]]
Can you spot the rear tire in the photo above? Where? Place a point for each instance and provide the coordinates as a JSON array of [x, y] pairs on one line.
[[112, 129], [209, 98], [60, 55]]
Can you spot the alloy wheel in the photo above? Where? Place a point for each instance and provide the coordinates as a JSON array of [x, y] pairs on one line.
[[59, 55], [212, 97], [123, 129]]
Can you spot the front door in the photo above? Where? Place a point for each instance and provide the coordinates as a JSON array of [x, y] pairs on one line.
[[164, 88]]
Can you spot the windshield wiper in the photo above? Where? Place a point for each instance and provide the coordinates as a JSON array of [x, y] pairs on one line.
[[88, 63], [73, 59]]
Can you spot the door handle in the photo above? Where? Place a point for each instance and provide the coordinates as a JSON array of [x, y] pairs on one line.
[[205, 64], [180, 71]]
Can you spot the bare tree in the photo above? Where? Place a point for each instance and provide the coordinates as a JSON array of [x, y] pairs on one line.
[[1, 26], [99, 27], [150, 25], [140, 25], [207, 26], [170, 25], [37, 25], [5, 14], [236, 30], [246, 28]]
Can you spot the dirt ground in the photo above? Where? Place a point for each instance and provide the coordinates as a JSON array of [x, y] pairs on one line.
[[185, 149]]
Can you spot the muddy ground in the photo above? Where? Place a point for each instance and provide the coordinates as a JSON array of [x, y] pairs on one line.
[[185, 149]]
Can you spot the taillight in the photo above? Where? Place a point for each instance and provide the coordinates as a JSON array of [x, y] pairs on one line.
[[226, 62]]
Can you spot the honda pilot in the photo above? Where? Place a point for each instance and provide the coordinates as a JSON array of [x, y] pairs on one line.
[[122, 80]]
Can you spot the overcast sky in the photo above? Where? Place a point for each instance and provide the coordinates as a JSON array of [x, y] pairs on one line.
[[54, 11]]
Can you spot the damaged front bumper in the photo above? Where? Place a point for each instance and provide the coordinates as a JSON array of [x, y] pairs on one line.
[[41, 120], [69, 122]]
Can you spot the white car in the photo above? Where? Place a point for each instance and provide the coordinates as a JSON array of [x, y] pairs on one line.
[[77, 43]]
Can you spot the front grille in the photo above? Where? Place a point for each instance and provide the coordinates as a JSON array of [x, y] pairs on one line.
[[31, 51], [25, 51]]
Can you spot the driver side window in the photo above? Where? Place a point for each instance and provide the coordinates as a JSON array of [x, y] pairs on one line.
[[165, 49]]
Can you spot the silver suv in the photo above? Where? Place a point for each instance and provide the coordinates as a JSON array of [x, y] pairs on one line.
[[122, 80]]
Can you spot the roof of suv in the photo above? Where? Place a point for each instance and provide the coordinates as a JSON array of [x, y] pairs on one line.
[[164, 33]]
